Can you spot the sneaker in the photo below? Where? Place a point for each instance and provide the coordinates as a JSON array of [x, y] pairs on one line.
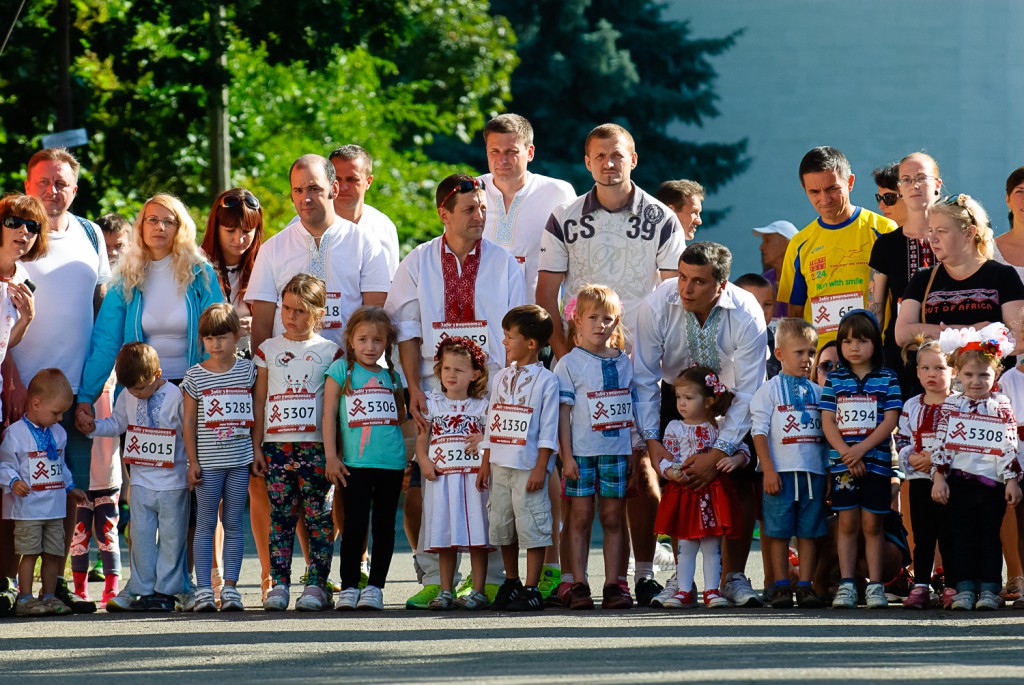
[[899, 587], [474, 601], [963, 601], [938, 581], [186, 601], [664, 559], [806, 599], [491, 590], [8, 596], [204, 601], [423, 598], [550, 579], [846, 596], [560, 597], [57, 607], [313, 598], [527, 599], [364, 579], [504, 595], [579, 597], [920, 597], [33, 606], [231, 599], [371, 598], [681, 600], [1013, 589], [666, 593], [442, 602], [1018, 604], [948, 594], [347, 599], [874, 596], [96, 573], [713, 599], [120, 602], [646, 590], [739, 591], [987, 601], [69, 599], [277, 599], [782, 597], [615, 598]]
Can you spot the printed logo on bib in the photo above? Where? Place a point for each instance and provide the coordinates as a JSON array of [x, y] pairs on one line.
[[332, 312], [371, 407], [610, 409], [449, 455], [474, 330], [827, 310], [149, 446], [292, 412], [227, 408], [856, 415], [795, 430], [43, 473], [975, 434], [509, 424]]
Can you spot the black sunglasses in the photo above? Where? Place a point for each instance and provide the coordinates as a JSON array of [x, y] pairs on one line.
[[463, 187], [888, 198], [827, 367], [33, 227], [232, 201]]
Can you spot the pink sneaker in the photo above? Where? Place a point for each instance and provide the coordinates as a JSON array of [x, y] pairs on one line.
[[920, 597], [947, 597]]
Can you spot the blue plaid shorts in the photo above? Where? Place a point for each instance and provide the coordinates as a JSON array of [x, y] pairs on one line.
[[604, 475]]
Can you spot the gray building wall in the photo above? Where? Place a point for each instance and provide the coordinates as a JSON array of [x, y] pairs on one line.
[[874, 78]]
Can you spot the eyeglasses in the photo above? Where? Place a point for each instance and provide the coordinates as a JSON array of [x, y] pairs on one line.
[[827, 367], [919, 180], [888, 198], [232, 201], [16, 222], [463, 187], [166, 223]]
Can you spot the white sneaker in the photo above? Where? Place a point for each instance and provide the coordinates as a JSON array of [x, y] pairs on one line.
[[120, 602], [739, 591], [874, 596], [371, 598], [667, 594], [313, 598], [347, 599], [186, 601], [846, 596], [987, 601], [963, 601], [663, 558]]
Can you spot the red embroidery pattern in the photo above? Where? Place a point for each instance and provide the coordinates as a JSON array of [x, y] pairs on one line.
[[459, 291]]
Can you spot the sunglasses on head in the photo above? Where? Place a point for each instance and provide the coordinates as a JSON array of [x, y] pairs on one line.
[[232, 201], [463, 187], [16, 222], [888, 198]]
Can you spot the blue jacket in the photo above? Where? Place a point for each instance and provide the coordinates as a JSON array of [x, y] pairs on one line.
[[120, 322]]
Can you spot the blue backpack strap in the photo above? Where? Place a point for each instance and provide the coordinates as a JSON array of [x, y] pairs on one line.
[[89, 231]]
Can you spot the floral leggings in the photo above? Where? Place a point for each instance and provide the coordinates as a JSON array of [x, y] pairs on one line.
[[296, 477]]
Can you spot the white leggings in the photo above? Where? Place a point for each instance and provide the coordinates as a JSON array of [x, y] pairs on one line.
[[711, 549]]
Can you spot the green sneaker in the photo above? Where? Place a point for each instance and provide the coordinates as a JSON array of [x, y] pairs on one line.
[[423, 598], [491, 591], [364, 579], [549, 580], [465, 588]]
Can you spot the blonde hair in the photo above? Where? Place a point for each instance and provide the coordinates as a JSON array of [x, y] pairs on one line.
[[924, 157], [50, 384], [967, 212], [312, 293], [790, 329], [372, 316], [185, 255], [604, 299]]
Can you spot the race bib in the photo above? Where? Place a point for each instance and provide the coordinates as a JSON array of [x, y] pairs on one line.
[[474, 330], [827, 310], [509, 424], [856, 415], [448, 452], [610, 409], [371, 407], [292, 412], [150, 446], [43, 473], [975, 434], [227, 408], [332, 312], [795, 430]]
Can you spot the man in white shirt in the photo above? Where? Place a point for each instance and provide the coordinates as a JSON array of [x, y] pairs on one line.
[[701, 318], [686, 199], [321, 243], [519, 203], [70, 284]]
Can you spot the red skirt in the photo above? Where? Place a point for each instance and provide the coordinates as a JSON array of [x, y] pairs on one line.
[[690, 515]]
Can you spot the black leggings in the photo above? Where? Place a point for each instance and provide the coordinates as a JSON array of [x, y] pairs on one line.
[[377, 490], [976, 514], [930, 522]]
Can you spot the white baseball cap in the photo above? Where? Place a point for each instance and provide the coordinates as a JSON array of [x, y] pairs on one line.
[[782, 227]]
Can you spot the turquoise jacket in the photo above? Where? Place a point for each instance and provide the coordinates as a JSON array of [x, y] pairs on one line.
[[120, 322]]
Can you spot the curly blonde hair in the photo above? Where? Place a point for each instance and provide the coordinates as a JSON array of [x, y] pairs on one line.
[[185, 254]]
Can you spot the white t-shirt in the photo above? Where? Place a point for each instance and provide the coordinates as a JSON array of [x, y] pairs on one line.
[[348, 260], [40, 505], [294, 367], [165, 318], [65, 279], [378, 225], [519, 229]]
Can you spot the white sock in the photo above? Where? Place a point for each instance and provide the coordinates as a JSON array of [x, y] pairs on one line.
[[364, 566], [644, 569], [687, 561], [711, 553], [567, 578], [555, 566]]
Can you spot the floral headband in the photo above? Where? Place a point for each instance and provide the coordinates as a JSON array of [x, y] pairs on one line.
[[457, 342], [569, 310], [993, 340], [712, 381]]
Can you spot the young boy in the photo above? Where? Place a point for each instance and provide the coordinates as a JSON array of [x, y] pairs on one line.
[[761, 288], [117, 232], [791, 448], [37, 480], [150, 413], [519, 508]]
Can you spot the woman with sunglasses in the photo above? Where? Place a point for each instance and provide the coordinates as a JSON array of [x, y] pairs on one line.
[[1009, 247], [234, 233]]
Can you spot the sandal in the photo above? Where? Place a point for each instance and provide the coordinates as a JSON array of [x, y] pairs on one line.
[[474, 601], [443, 602]]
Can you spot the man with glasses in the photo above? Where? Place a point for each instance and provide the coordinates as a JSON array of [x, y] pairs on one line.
[[458, 284], [775, 239], [320, 243], [825, 273], [70, 284]]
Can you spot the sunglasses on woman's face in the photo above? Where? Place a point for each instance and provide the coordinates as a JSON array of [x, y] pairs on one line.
[[827, 367], [232, 201], [888, 198], [17, 222]]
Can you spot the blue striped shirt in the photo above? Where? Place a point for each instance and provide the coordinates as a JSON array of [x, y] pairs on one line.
[[882, 385]]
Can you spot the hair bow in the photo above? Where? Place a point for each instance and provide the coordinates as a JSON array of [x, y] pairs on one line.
[[712, 381]]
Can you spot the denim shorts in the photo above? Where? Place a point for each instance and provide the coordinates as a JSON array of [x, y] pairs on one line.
[[798, 509]]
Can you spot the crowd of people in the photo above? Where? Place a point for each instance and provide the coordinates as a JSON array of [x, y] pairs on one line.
[[547, 359]]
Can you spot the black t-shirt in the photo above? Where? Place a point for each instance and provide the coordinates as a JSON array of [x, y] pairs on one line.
[[898, 258], [977, 298]]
